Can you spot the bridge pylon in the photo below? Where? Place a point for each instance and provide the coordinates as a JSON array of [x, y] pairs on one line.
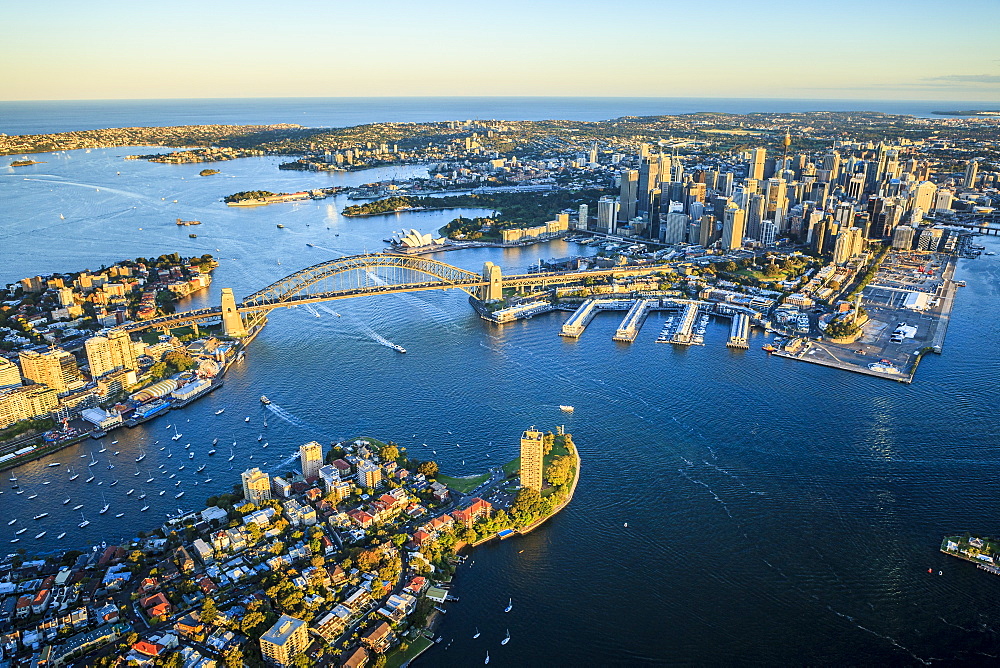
[[493, 290], [232, 322]]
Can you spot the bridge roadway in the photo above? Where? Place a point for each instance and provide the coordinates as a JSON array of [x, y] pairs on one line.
[[258, 305]]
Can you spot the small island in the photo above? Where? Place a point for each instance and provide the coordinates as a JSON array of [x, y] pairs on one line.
[[208, 172], [261, 197], [25, 163]]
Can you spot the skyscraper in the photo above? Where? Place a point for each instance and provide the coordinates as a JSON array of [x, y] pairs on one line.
[[311, 456], [583, 217], [971, 171], [532, 457], [649, 179], [627, 200], [732, 227], [256, 485], [607, 214], [758, 157], [54, 368], [107, 353]]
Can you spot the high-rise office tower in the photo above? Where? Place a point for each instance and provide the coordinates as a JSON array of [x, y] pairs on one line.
[[649, 179], [592, 156], [532, 456], [54, 368], [971, 172], [733, 227], [706, 230], [831, 163], [754, 215], [758, 157], [256, 485], [653, 213], [820, 229], [675, 228], [607, 214], [583, 218], [848, 244], [922, 195], [725, 186], [776, 193], [768, 233], [107, 353], [627, 199], [311, 457]]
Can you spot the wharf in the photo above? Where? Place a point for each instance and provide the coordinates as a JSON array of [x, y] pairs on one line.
[[739, 332], [636, 316], [212, 387], [683, 333], [824, 357]]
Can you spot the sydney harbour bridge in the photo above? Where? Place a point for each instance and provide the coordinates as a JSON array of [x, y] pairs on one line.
[[367, 275]]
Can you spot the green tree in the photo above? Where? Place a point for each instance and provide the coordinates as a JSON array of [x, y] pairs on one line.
[[209, 613], [390, 453], [560, 470], [429, 468]]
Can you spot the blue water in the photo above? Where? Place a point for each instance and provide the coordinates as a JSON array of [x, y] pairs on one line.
[[33, 117], [778, 512]]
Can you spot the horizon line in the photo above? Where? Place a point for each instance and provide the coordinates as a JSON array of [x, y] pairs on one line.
[[492, 97]]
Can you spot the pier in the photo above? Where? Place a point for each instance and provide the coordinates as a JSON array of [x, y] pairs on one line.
[[739, 332], [629, 329], [683, 333], [581, 317]]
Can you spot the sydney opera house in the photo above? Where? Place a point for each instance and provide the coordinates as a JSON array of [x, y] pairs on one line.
[[412, 239]]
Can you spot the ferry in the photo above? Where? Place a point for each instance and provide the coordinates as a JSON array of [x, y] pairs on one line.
[[566, 409], [768, 347], [398, 348], [264, 400]]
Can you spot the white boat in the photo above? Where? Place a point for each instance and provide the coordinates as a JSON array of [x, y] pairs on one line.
[[13, 521], [41, 535], [142, 496], [142, 455], [74, 476], [232, 455], [215, 441], [187, 446], [120, 515], [476, 634], [507, 639], [92, 460], [20, 531], [53, 464], [190, 455], [566, 409], [84, 523], [78, 506], [41, 515], [208, 480], [162, 492], [103, 448], [260, 438], [201, 468], [144, 509], [487, 658], [106, 505], [15, 540], [247, 419], [220, 411], [61, 536], [211, 452], [90, 479], [114, 442], [113, 483], [178, 495], [129, 493], [510, 605]]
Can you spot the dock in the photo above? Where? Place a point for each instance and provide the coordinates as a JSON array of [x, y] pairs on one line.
[[636, 316], [683, 335], [739, 332], [581, 317]]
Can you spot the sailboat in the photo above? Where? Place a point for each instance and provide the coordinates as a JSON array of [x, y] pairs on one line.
[[61, 536], [137, 472], [12, 522], [104, 448], [487, 658], [84, 523], [201, 468], [510, 604], [220, 411], [73, 476], [150, 478], [66, 501], [144, 509], [92, 460], [142, 455], [177, 435], [232, 455], [90, 479], [78, 506], [476, 634], [106, 504], [129, 493], [507, 639], [142, 496], [208, 480]]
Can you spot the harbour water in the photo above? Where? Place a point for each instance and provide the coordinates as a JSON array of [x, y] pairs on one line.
[[777, 512]]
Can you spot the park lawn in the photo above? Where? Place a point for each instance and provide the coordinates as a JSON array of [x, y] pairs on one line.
[[512, 467], [462, 485], [151, 336], [395, 659], [558, 449]]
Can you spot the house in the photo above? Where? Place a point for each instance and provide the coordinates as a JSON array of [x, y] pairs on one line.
[[343, 468], [156, 605], [416, 585], [420, 537], [41, 601], [190, 625], [468, 516], [440, 492], [378, 638], [361, 518], [149, 648], [203, 550], [356, 659]]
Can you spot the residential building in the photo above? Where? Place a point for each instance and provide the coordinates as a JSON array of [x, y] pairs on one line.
[[107, 353], [10, 374], [532, 456], [311, 457], [256, 485], [369, 475], [54, 368], [288, 638], [25, 403]]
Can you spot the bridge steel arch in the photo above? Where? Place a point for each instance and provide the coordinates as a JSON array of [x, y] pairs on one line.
[[292, 285]]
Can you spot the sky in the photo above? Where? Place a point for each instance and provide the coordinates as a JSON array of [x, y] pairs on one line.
[[852, 49]]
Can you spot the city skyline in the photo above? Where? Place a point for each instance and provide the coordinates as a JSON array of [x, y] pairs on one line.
[[113, 51]]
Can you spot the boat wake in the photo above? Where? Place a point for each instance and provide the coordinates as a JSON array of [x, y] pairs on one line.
[[378, 338], [286, 416]]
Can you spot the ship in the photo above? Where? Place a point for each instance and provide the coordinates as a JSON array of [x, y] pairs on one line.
[[280, 226], [398, 348], [264, 400], [768, 347], [188, 222], [566, 409], [193, 236]]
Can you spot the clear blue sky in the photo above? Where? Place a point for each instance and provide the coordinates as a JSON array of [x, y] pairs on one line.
[[875, 49]]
